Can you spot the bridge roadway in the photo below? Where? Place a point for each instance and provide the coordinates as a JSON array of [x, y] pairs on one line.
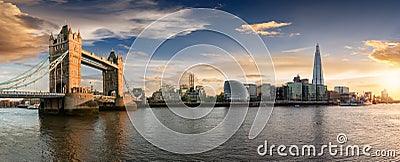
[[28, 94], [91, 59]]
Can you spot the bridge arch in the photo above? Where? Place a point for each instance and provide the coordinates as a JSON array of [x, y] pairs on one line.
[[61, 88]]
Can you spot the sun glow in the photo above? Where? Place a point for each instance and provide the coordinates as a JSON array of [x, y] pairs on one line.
[[391, 82], [392, 79]]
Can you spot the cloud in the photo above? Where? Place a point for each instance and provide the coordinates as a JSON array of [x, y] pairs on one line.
[[23, 36], [264, 28], [294, 34], [255, 76], [141, 53], [156, 78], [388, 52], [60, 1], [361, 50], [103, 33], [124, 46], [214, 55], [348, 47], [219, 5], [28, 2], [288, 65], [208, 80], [296, 50], [98, 19], [161, 69], [32, 2]]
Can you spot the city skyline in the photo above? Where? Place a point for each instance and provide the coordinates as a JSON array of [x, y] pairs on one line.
[[355, 52]]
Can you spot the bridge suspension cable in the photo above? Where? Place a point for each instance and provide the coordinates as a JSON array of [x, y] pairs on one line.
[[26, 73], [127, 86], [32, 75]]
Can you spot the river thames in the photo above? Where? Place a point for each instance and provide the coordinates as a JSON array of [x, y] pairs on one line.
[[108, 136]]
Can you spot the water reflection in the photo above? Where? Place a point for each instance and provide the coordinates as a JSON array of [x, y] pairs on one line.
[[318, 126], [110, 136], [96, 137]]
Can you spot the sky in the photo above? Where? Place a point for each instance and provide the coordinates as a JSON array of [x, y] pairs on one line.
[[359, 40]]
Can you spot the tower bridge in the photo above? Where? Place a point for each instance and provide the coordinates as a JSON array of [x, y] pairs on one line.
[[66, 94], [67, 74]]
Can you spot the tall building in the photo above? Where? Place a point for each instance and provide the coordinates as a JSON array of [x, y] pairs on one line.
[[297, 78], [318, 77], [341, 89], [202, 93], [191, 80], [333, 96], [280, 93], [385, 96], [252, 90], [183, 89], [192, 95], [368, 96], [170, 94], [265, 92], [295, 90], [385, 93], [235, 91], [309, 92], [321, 92]]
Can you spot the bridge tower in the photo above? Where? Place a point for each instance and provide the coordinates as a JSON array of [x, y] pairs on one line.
[[67, 75], [112, 78]]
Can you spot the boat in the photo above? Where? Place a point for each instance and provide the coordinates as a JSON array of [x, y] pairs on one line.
[[355, 103], [34, 106], [354, 100], [26, 104]]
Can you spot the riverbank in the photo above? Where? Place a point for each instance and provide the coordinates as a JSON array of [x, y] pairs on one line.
[[250, 104]]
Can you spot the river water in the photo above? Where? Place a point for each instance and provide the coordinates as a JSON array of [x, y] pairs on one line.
[[109, 136]]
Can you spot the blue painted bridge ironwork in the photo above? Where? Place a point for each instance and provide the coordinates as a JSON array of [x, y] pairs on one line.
[[27, 94]]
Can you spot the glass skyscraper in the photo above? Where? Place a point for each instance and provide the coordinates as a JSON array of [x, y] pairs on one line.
[[235, 91], [318, 77]]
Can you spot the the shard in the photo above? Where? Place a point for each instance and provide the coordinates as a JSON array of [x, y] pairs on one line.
[[318, 77]]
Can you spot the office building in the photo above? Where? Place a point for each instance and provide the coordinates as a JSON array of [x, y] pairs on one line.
[[318, 77], [265, 92], [235, 91], [341, 89], [252, 90], [309, 92], [294, 91]]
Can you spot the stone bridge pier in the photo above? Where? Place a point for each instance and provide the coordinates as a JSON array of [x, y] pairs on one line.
[[80, 101]]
